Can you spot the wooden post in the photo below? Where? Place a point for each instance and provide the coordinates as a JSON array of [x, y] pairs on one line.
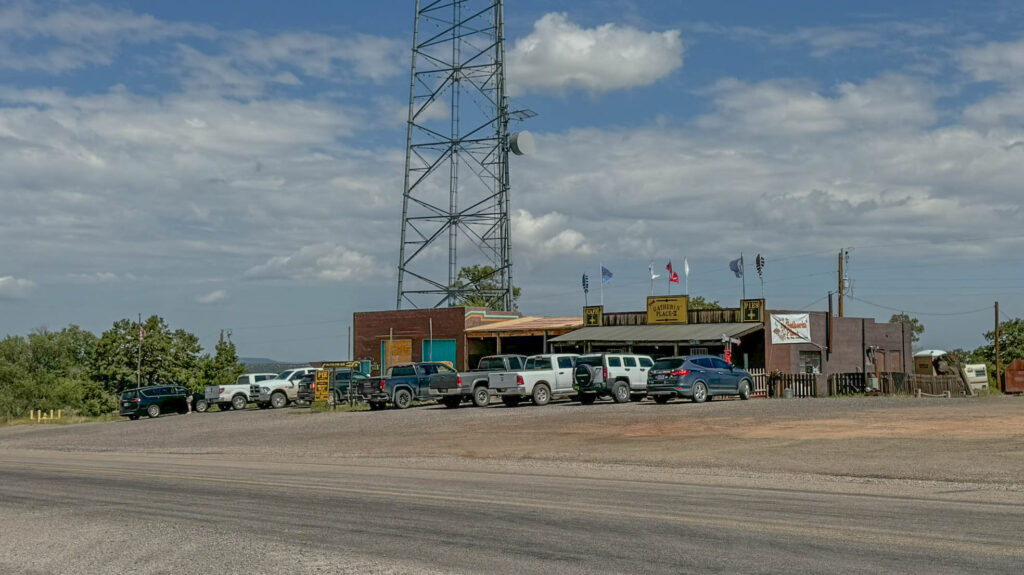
[[999, 380]]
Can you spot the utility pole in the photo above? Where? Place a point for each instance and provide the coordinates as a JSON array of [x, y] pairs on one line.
[[842, 281], [999, 363], [138, 358]]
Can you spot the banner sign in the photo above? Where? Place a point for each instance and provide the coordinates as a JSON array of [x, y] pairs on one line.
[[752, 310], [667, 309], [791, 328], [592, 315]]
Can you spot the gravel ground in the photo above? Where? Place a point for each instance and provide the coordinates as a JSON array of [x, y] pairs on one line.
[[979, 440]]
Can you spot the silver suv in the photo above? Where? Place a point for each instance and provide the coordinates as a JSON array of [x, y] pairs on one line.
[[621, 376]]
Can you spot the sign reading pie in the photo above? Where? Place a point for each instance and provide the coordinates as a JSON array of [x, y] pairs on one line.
[[323, 385], [667, 309], [753, 310], [592, 315]]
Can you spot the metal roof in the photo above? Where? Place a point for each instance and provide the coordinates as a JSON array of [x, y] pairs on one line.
[[666, 333], [529, 323]]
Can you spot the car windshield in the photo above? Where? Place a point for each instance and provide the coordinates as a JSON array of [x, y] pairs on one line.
[[285, 374], [669, 363], [589, 360], [128, 395]]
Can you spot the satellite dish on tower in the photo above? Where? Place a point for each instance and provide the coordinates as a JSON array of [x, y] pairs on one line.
[[522, 143]]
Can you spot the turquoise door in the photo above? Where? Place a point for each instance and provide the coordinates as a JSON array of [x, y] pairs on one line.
[[440, 350]]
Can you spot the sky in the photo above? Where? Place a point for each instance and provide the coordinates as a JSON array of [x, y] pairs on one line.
[[239, 165]]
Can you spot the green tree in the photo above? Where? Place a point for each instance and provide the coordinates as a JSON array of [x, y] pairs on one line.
[[221, 369], [1011, 343], [916, 328], [166, 356], [481, 282], [698, 302]]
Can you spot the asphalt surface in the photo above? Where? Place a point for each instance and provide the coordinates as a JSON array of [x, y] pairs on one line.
[[81, 499]]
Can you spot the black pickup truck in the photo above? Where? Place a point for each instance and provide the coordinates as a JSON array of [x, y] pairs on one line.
[[401, 385], [451, 389]]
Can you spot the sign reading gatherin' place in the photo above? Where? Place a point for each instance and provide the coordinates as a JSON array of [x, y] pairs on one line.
[[667, 309], [791, 328], [592, 315]]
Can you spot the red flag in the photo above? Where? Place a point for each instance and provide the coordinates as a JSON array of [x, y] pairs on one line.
[[672, 275]]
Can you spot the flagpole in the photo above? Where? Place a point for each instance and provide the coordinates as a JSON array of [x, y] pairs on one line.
[[601, 271], [138, 365], [743, 274]]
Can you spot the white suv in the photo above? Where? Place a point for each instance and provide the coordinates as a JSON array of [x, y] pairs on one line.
[[281, 391], [621, 376]]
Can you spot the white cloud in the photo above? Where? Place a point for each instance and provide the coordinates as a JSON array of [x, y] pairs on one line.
[[546, 236], [321, 56], [319, 262], [98, 277], [994, 62], [559, 55], [212, 297], [77, 36], [15, 288]]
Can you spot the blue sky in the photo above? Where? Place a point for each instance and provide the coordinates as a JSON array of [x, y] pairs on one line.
[[238, 164]]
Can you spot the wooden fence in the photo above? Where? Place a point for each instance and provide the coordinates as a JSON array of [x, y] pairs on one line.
[[802, 384], [896, 383], [760, 383]]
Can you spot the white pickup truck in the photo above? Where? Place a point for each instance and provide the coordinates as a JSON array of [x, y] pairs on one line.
[[235, 395], [542, 378], [282, 390]]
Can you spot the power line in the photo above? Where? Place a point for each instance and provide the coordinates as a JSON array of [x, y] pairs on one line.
[[968, 312]]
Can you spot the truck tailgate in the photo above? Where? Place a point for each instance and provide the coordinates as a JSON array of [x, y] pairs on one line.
[[212, 393], [444, 380], [502, 380]]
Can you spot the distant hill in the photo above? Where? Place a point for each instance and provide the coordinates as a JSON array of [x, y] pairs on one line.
[[257, 361]]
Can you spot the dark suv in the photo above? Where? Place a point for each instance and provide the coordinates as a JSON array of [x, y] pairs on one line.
[[697, 377], [154, 400]]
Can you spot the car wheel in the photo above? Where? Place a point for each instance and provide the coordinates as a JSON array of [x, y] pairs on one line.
[[202, 405], [587, 398], [700, 392], [744, 389], [153, 411], [481, 396], [663, 399], [451, 402], [511, 401], [278, 400], [620, 393], [403, 399], [541, 394], [238, 402]]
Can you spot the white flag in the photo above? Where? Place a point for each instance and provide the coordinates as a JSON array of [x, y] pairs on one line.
[[686, 267], [654, 276]]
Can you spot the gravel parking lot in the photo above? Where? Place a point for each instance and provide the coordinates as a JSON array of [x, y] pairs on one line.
[[969, 440]]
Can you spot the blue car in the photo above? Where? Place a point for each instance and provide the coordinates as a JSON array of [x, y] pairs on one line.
[[697, 377]]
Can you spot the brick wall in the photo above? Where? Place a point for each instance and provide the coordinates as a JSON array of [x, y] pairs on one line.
[[850, 335], [370, 328]]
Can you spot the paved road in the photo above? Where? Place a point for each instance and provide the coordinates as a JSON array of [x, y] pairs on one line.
[[114, 513]]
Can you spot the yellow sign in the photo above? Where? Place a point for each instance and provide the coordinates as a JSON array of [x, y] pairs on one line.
[[397, 351], [667, 309], [753, 310], [592, 315], [341, 365], [323, 385]]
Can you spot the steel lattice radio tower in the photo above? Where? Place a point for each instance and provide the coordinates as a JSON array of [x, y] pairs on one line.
[[456, 189]]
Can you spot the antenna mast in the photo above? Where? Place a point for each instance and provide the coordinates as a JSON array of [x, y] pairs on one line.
[[456, 161]]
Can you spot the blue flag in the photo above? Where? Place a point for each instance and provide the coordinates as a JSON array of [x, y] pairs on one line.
[[606, 275], [736, 266], [586, 284]]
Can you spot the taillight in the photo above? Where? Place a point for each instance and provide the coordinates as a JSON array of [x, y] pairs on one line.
[[519, 380], [136, 400], [383, 382], [458, 381], [681, 372], [604, 372]]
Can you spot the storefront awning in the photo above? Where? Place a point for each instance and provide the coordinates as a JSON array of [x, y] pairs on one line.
[[702, 332]]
